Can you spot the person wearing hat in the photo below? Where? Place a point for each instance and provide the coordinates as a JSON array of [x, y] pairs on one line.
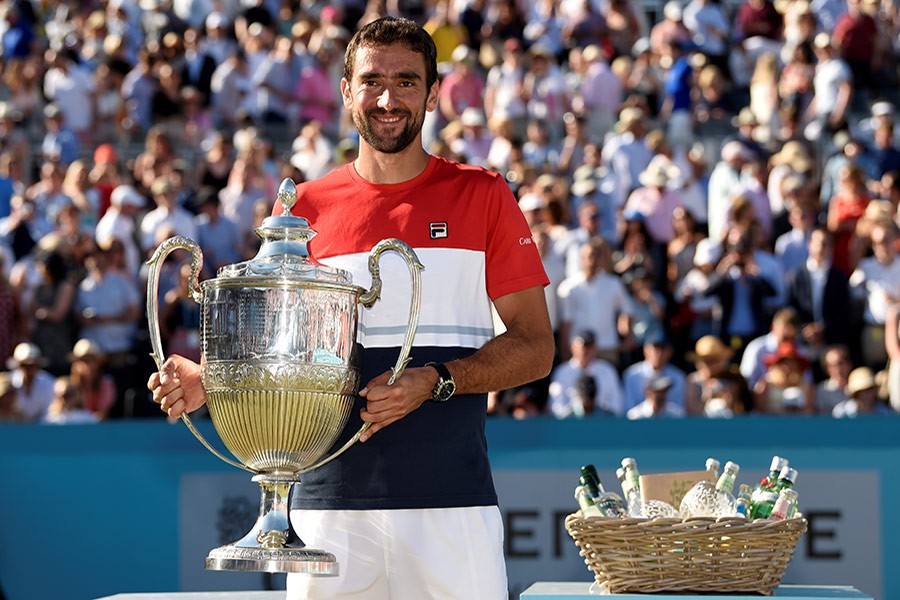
[[119, 223], [167, 214], [462, 87], [862, 389], [656, 403], [625, 153], [714, 376], [657, 198], [60, 143], [599, 94], [565, 400], [96, 387], [883, 155], [787, 369], [474, 144], [692, 289], [724, 182], [657, 356], [832, 89], [33, 385], [670, 30]]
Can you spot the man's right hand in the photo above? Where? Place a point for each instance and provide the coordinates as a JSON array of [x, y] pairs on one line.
[[177, 387]]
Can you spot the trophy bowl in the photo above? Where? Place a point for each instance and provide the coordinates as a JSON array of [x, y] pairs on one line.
[[279, 368]]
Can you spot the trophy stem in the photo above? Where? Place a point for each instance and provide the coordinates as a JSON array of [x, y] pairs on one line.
[[268, 546]]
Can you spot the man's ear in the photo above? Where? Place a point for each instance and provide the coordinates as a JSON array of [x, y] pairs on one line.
[[346, 94], [432, 102]]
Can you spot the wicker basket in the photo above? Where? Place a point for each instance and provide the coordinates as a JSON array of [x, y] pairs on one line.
[[691, 555]]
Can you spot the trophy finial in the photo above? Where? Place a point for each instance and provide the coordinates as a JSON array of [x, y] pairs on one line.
[[287, 194]]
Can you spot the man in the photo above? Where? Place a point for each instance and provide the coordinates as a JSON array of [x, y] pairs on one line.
[[33, 385], [420, 458], [820, 294], [566, 385], [119, 224], [785, 328], [863, 396], [636, 378], [656, 403], [596, 301], [876, 284]]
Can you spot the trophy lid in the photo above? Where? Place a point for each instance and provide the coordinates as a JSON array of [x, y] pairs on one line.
[[284, 253]]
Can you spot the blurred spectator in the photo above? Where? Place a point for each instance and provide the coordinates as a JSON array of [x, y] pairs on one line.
[[70, 86], [670, 31], [60, 144], [678, 104], [217, 236], [792, 248], [12, 313], [863, 396], [785, 328], [504, 91], [656, 363], [33, 385], [656, 200], [741, 289], [97, 388], [715, 388], [833, 89], [596, 301], [166, 214], [315, 91], [704, 311], [855, 35], [52, 326], [724, 182], [710, 29], [179, 318], [23, 228], [569, 383], [656, 402], [119, 224], [9, 408], [649, 306], [625, 153], [844, 211], [785, 383], [462, 87], [876, 283], [68, 405], [833, 390], [820, 294]]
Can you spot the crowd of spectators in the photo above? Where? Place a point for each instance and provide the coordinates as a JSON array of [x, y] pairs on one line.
[[713, 188]]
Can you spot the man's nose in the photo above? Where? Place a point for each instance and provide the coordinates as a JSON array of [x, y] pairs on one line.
[[387, 99]]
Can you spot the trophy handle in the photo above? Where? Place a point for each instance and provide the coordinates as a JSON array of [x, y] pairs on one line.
[[178, 242], [369, 298]]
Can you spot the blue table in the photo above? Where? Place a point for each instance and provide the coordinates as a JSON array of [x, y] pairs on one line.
[[552, 590]]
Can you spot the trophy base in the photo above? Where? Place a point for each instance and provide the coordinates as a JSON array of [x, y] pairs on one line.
[[272, 560]]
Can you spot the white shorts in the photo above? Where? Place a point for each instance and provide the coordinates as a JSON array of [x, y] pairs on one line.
[[445, 554]]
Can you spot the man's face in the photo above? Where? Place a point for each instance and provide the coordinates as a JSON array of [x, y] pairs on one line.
[[387, 97]]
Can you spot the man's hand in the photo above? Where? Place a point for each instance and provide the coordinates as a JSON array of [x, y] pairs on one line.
[[386, 404], [177, 386]]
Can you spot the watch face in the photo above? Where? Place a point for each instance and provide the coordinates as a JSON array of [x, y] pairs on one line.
[[443, 390]]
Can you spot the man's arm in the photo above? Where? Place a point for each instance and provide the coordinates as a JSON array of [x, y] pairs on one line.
[[522, 354]]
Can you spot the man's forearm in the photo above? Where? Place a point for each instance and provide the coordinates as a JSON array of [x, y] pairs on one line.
[[509, 360]]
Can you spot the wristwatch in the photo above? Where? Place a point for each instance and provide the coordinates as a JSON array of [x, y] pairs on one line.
[[445, 386]]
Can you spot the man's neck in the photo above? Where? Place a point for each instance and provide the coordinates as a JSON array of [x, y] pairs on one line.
[[382, 168]]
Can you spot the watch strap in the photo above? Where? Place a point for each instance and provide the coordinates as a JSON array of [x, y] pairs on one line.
[[442, 370]]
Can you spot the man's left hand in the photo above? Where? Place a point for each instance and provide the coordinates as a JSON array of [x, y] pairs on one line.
[[386, 404]]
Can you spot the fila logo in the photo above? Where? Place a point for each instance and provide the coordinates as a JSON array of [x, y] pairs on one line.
[[438, 230]]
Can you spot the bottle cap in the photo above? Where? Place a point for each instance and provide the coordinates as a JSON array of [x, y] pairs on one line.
[[778, 463], [712, 464], [629, 462], [732, 466], [789, 473], [620, 474]]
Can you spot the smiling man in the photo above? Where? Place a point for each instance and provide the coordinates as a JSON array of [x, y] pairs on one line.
[[411, 513]]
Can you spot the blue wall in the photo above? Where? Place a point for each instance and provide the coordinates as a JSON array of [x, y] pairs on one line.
[[88, 511]]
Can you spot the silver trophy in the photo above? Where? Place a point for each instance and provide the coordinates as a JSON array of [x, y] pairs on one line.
[[279, 368]]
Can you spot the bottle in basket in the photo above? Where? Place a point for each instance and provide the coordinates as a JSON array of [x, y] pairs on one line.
[[631, 486], [609, 503], [586, 503], [742, 502], [785, 506], [778, 464], [765, 501], [708, 500]]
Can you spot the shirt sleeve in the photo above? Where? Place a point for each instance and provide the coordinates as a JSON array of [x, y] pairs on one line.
[[512, 260]]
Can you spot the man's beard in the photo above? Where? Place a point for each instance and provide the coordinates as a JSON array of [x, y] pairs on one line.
[[387, 145]]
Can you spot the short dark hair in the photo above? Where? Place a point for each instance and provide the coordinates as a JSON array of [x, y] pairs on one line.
[[388, 31]]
